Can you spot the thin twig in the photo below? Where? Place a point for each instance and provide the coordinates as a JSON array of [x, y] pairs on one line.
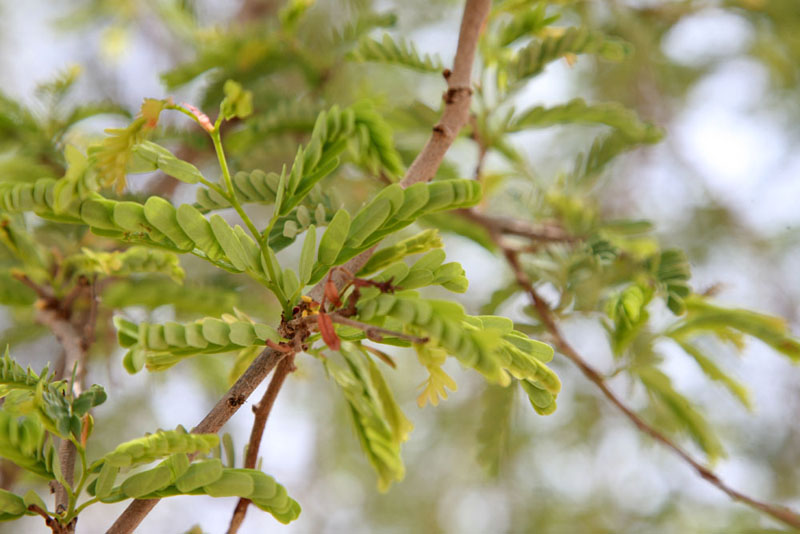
[[41, 292], [483, 150], [261, 411], [375, 332], [228, 405], [783, 514], [508, 226]]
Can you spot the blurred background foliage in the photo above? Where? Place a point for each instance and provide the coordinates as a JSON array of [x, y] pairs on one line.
[[721, 78]]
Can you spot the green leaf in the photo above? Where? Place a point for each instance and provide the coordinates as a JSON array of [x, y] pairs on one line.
[[237, 103], [532, 59], [628, 314], [232, 483], [704, 317], [199, 230], [289, 283], [159, 445], [307, 256], [105, 480], [94, 396], [577, 111], [398, 52], [494, 434], [334, 237], [713, 372], [229, 242], [11, 505], [482, 343], [32, 498], [162, 346], [394, 208], [541, 400], [671, 270], [208, 477], [379, 438], [681, 410], [22, 441], [148, 156], [422, 242], [199, 474], [141, 484], [15, 293]]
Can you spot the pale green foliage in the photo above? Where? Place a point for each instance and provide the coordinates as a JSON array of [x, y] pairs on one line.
[[577, 111], [22, 441], [207, 477], [148, 157], [421, 242], [161, 346], [159, 445], [238, 103], [426, 271], [111, 157], [486, 343], [379, 424], [678, 407], [495, 430], [178, 475], [11, 506], [27, 393], [124, 263], [394, 51], [332, 131], [533, 58]]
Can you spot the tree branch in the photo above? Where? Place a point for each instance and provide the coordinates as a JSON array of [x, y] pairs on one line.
[[262, 411], [228, 405], [782, 514], [455, 116]]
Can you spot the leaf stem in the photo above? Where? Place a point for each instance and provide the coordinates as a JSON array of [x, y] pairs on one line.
[[231, 197], [226, 176], [93, 500], [73, 498]]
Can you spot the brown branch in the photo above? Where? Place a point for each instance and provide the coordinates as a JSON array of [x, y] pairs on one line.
[[483, 150], [498, 226], [375, 332], [782, 514], [228, 405], [75, 358], [455, 116], [261, 411], [44, 293], [54, 525]]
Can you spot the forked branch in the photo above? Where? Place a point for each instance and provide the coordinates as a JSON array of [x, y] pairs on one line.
[[455, 116], [261, 411]]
